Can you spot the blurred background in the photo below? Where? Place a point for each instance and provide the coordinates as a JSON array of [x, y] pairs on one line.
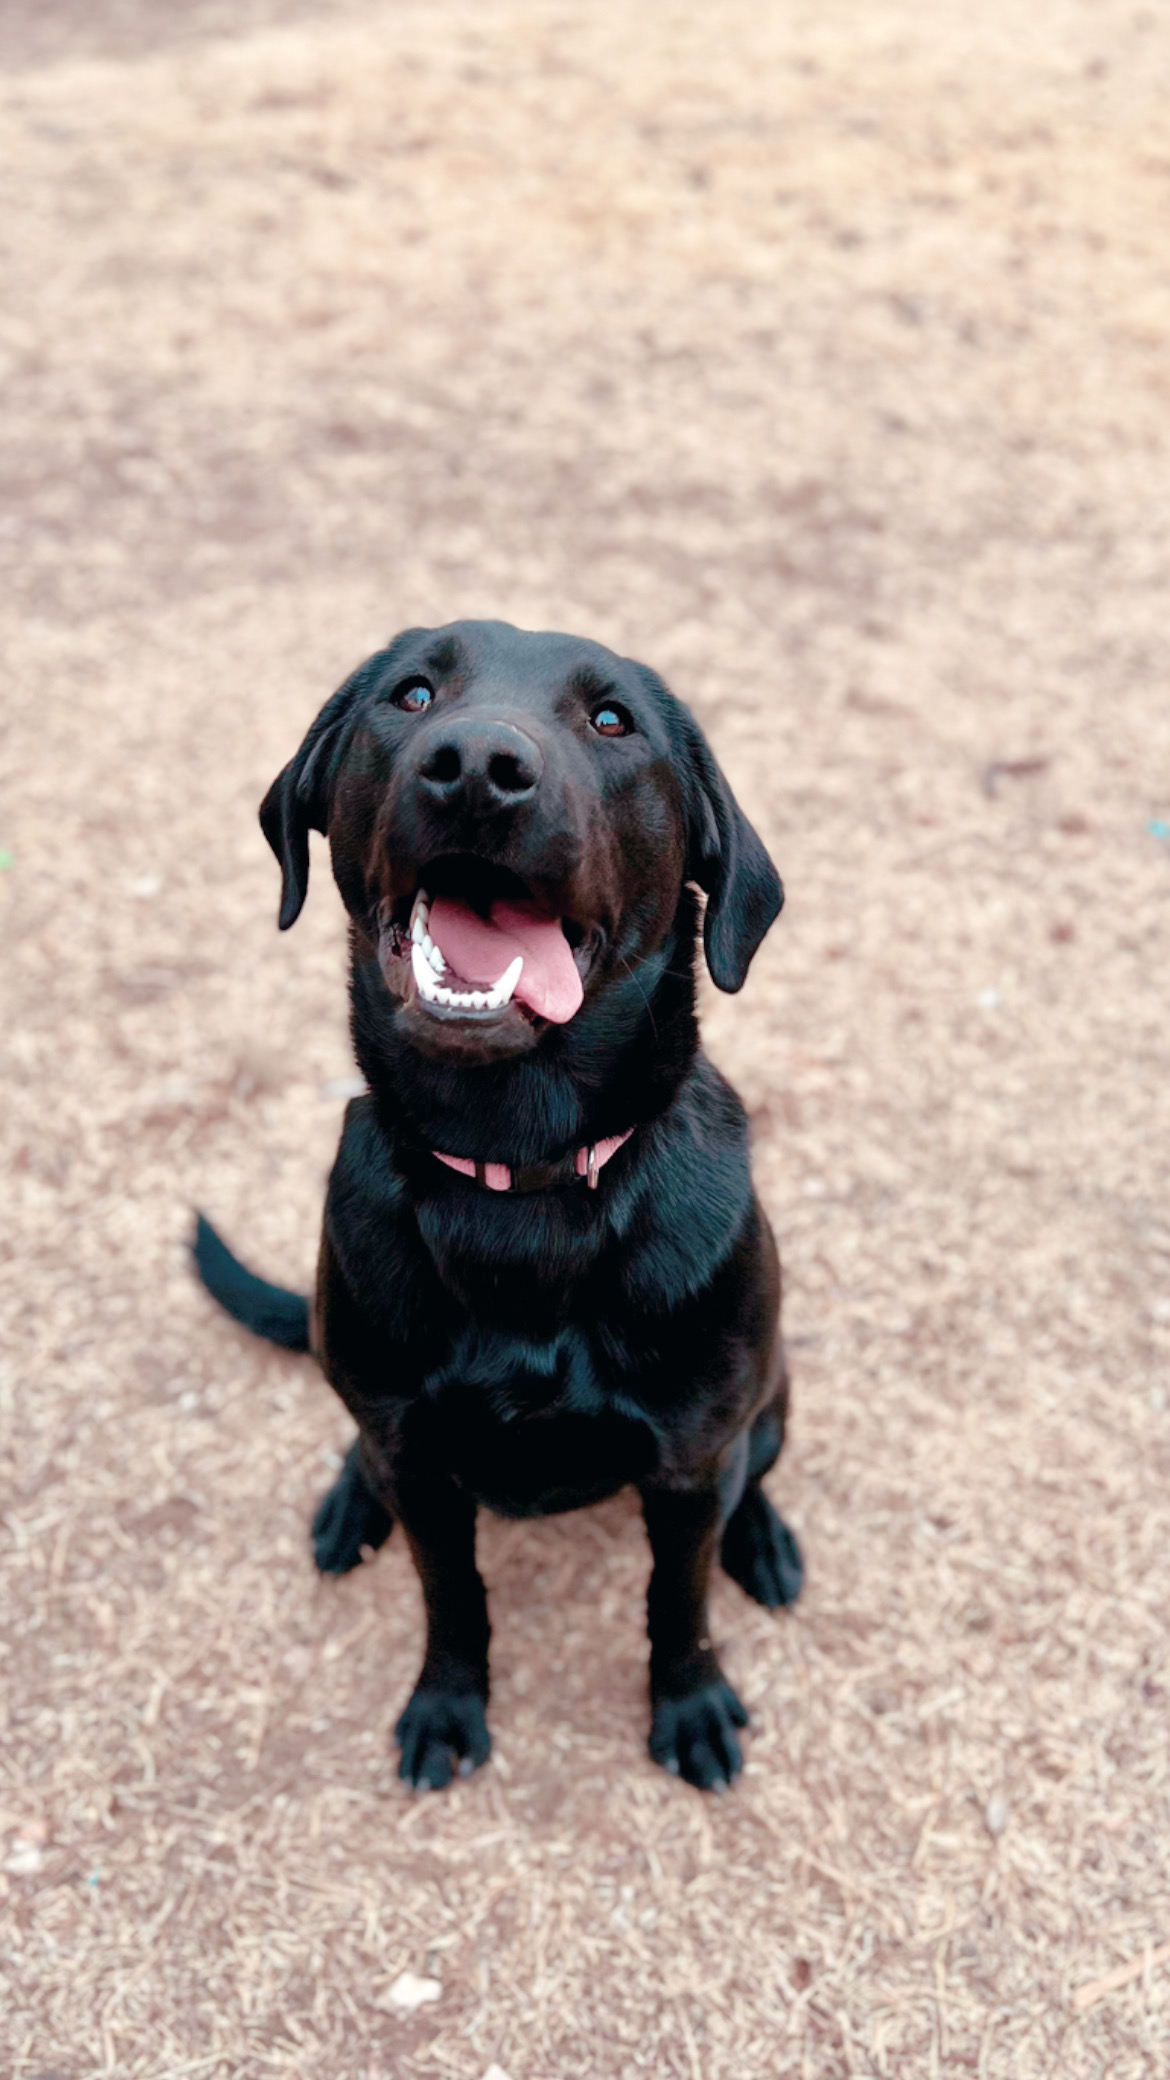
[[818, 356]]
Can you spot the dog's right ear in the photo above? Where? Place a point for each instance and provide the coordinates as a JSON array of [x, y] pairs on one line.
[[298, 800]]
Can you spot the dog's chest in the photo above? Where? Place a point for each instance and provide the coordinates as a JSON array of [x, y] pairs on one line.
[[530, 1428]]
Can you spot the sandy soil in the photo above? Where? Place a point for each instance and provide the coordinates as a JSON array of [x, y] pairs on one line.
[[818, 355]]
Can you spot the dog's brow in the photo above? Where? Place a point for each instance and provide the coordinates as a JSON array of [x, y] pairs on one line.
[[592, 685], [445, 657]]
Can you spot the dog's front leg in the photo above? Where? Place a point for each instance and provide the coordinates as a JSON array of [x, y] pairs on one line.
[[445, 1717], [694, 1710]]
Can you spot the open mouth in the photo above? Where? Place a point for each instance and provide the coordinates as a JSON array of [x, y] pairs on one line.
[[480, 945]]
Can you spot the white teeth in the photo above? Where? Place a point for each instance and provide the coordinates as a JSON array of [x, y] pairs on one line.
[[423, 973], [419, 915], [427, 962], [507, 982], [418, 931]]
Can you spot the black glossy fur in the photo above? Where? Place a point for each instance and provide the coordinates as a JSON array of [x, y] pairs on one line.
[[535, 1351]]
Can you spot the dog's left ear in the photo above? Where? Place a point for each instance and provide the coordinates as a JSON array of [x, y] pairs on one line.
[[744, 891], [298, 800]]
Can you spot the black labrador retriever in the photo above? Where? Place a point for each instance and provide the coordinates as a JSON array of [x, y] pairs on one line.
[[544, 1273]]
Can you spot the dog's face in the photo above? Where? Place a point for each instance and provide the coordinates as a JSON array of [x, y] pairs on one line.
[[512, 819]]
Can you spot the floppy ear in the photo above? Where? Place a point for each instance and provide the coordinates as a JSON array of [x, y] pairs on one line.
[[298, 800], [744, 892]]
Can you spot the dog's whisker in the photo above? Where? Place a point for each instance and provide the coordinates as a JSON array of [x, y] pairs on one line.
[[636, 980]]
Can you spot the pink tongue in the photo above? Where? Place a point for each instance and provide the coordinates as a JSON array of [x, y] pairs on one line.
[[480, 951]]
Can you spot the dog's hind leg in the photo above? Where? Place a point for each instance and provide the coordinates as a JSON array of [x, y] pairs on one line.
[[758, 1550], [349, 1517]]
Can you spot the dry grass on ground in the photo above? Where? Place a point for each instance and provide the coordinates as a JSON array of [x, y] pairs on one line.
[[818, 355]]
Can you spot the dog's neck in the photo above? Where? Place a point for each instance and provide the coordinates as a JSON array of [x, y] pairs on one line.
[[616, 1065]]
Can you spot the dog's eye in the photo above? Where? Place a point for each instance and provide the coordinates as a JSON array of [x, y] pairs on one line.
[[610, 721], [414, 695]]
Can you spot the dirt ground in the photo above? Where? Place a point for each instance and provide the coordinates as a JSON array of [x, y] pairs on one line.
[[818, 355]]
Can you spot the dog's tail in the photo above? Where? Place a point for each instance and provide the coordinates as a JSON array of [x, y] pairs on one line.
[[269, 1311]]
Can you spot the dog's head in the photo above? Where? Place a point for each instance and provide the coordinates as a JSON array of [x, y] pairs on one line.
[[513, 818]]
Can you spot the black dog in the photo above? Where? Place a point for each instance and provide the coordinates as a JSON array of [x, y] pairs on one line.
[[543, 1273]]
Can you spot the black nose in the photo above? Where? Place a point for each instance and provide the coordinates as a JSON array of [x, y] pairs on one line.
[[492, 762]]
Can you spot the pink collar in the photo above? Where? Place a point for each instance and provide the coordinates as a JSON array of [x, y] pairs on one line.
[[535, 1177]]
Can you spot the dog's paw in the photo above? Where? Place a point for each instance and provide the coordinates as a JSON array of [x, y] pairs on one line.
[[760, 1553], [439, 1731], [349, 1517], [694, 1737]]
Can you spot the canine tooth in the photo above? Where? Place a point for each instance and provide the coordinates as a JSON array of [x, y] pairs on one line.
[[508, 981], [427, 986], [419, 913], [418, 931]]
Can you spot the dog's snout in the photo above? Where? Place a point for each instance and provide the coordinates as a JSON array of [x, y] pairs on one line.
[[494, 761]]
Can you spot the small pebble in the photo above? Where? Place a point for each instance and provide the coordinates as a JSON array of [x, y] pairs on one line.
[[410, 1992], [24, 1858], [995, 1815], [989, 1000], [26, 1851]]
